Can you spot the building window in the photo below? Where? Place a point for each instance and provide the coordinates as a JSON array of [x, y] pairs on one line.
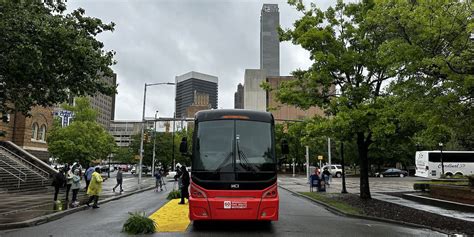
[[42, 133], [34, 131]]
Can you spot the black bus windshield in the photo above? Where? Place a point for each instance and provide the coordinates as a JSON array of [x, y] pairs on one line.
[[234, 146]]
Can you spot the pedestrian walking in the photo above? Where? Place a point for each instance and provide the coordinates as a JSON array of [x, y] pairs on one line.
[[95, 188], [69, 177], [88, 175], [158, 182], [76, 185], [58, 182], [119, 180], [184, 184]]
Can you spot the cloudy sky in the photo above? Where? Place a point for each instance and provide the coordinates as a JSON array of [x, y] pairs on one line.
[[156, 40]]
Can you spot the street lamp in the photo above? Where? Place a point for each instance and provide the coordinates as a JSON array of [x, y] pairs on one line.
[[154, 147], [143, 125], [441, 157]]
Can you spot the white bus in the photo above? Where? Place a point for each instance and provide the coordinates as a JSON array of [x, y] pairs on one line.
[[428, 163]]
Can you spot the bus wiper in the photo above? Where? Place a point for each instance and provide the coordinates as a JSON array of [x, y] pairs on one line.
[[244, 162]]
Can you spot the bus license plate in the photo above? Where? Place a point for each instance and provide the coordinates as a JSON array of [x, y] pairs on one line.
[[235, 205]]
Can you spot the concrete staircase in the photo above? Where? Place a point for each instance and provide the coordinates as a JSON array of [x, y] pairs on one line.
[[19, 174]]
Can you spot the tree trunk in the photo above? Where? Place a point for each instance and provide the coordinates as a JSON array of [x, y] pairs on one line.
[[363, 148]]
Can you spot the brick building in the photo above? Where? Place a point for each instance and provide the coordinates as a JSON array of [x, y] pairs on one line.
[[30, 132], [286, 112]]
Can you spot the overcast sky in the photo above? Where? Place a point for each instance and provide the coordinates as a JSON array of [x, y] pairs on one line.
[[156, 40]]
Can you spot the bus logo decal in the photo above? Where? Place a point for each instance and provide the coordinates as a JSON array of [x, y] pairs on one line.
[[234, 186], [227, 204]]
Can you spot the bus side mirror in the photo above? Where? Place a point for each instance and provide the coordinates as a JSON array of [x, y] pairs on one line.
[[284, 147], [183, 147]]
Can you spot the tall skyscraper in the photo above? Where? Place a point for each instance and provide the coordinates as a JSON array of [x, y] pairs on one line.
[[105, 104], [239, 97], [269, 39], [194, 82]]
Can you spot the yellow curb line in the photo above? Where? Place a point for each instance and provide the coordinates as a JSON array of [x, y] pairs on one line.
[[171, 217]]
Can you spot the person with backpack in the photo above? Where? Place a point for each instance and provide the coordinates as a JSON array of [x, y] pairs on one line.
[[88, 175], [76, 185], [58, 182], [158, 179]]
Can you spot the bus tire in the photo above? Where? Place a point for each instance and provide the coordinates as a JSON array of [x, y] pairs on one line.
[[459, 174]]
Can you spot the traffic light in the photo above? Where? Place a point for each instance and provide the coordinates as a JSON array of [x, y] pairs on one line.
[[145, 137]]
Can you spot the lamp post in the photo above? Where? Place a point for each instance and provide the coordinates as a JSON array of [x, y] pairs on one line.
[[143, 125], [441, 157], [154, 147]]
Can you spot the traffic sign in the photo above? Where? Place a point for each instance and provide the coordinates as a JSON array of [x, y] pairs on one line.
[[320, 157]]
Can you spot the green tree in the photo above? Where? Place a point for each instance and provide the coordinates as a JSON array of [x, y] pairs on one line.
[[47, 55], [431, 51], [84, 140], [367, 55]]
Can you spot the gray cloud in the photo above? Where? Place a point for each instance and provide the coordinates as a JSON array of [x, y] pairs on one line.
[[158, 40]]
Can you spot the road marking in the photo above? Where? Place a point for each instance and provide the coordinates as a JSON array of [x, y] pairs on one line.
[[172, 217]]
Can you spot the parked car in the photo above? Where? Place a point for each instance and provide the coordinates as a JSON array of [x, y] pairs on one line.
[[124, 168], [145, 170], [336, 170], [392, 172]]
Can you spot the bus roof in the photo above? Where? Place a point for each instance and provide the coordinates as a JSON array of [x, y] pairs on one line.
[[218, 114], [438, 151]]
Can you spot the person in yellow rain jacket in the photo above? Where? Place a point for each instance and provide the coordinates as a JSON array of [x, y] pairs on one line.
[[95, 188]]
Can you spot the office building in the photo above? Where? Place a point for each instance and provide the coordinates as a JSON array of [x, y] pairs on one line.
[[124, 130], [239, 97], [194, 82], [269, 39], [255, 97], [104, 104]]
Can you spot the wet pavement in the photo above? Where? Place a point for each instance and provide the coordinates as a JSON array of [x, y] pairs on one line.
[[380, 189], [22, 206]]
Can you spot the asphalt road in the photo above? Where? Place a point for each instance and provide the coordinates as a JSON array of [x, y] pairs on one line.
[[298, 217]]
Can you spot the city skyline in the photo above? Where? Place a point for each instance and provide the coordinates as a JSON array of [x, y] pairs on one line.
[[168, 38]]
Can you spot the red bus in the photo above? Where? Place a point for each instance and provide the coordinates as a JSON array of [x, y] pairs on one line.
[[234, 168]]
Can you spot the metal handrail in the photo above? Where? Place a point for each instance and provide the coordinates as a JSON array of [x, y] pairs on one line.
[[11, 166], [26, 155], [19, 179], [29, 163]]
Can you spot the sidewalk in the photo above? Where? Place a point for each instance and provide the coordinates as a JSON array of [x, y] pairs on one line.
[[22, 206], [379, 189]]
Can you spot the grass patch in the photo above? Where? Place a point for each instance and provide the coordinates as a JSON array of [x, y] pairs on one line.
[[460, 183], [338, 204], [174, 194]]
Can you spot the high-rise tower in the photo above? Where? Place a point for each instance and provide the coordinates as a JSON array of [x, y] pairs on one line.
[[187, 85], [269, 39]]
